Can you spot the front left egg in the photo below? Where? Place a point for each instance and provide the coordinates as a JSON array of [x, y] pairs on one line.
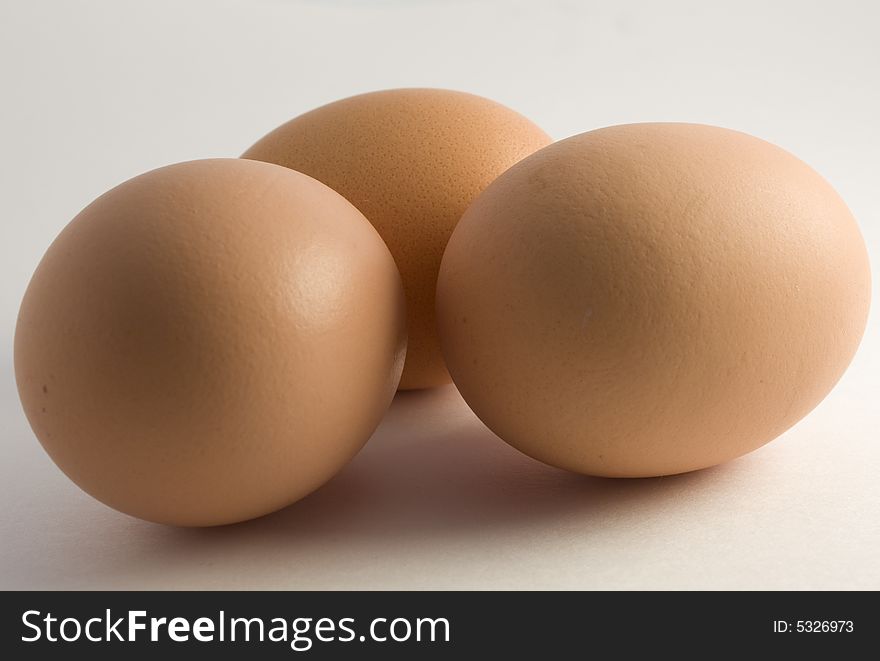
[[210, 341]]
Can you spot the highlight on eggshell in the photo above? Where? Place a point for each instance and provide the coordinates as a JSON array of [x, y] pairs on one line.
[[650, 299]]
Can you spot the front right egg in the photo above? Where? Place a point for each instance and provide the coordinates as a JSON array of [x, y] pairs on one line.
[[651, 299]]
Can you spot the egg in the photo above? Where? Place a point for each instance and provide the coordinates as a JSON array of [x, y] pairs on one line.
[[210, 341], [651, 299], [411, 160]]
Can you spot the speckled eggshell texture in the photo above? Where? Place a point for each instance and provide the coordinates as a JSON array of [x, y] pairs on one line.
[[210, 341], [651, 299], [411, 160]]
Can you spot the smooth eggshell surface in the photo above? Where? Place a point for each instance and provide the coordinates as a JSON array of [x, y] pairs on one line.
[[651, 299], [210, 341], [411, 160]]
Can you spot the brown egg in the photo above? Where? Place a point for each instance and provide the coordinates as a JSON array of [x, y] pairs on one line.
[[210, 341], [651, 299], [411, 160]]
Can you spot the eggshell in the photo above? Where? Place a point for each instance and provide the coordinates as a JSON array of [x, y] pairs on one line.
[[210, 341], [651, 299], [411, 160]]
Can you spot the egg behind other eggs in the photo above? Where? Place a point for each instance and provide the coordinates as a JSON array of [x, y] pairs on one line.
[[210, 341], [411, 160]]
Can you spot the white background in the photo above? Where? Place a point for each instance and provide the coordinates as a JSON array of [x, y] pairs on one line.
[[96, 92]]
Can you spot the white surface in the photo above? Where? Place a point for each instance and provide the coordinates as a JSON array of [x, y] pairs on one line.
[[95, 92]]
